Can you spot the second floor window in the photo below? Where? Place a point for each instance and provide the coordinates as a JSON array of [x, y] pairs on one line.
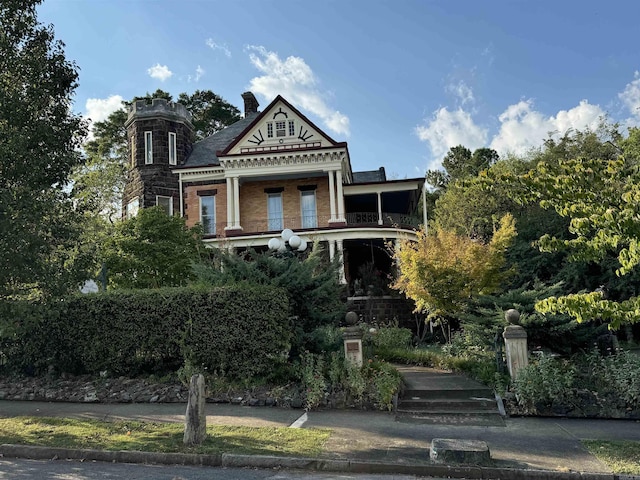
[[148, 148], [308, 209], [274, 211], [208, 214], [172, 149]]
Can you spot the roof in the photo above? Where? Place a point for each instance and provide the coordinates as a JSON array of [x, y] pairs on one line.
[[370, 176], [204, 151]]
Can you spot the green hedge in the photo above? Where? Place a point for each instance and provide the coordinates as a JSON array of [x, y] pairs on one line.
[[238, 331]]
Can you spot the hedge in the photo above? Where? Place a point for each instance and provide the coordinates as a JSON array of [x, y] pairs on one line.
[[238, 331]]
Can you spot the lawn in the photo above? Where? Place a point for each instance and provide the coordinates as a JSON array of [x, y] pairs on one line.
[[620, 456], [160, 437]]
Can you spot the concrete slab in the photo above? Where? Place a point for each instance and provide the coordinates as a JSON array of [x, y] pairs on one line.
[[459, 451]]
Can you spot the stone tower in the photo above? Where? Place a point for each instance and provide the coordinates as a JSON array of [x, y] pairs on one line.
[[160, 136]]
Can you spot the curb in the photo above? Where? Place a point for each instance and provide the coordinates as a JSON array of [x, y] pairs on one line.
[[299, 463]]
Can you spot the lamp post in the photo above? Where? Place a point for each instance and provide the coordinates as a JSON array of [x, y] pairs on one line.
[[287, 241]]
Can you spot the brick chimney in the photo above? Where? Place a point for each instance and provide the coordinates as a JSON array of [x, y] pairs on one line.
[[250, 104]]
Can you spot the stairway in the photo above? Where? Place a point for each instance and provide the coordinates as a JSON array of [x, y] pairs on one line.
[[438, 397]]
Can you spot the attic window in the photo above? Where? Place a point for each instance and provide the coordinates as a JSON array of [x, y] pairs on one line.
[[270, 130], [292, 128], [281, 129]]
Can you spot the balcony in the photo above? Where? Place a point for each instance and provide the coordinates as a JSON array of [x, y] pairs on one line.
[[354, 220]]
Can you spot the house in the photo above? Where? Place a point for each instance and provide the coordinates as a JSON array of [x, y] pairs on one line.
[[271, 170]]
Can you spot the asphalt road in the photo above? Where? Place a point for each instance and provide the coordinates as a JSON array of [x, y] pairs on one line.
[[18, 469]]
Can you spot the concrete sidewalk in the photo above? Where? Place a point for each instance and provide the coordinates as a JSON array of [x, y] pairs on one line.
[[524, 443]]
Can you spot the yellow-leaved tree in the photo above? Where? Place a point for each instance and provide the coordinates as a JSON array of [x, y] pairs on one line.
[[442, 270]]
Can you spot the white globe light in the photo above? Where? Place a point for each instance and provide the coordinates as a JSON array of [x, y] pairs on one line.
[[286, 234], [283, 247], [295, 241], [303, 245], [274, 244]]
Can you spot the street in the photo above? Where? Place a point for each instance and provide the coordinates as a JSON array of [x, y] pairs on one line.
[[19, 469]]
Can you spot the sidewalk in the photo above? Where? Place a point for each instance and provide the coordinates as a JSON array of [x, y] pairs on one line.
[[523, 443]]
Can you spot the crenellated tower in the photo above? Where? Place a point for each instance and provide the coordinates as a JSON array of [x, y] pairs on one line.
[[160, 136]]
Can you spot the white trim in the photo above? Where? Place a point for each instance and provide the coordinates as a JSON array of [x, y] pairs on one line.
[[181, 195], [148, 147], [173, 150], [360, 189], [229, 203], [273, 219], [236, 202], [332, 195], [170, 202], [315, 209]]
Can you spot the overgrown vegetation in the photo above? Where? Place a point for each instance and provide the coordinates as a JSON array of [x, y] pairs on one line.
[[620, 456]]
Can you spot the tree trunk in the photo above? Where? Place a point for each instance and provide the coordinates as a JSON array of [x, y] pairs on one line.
[[195, 423]]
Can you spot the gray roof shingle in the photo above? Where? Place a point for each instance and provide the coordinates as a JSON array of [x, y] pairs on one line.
[[204, 151]]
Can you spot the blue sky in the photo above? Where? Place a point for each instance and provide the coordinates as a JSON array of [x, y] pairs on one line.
[[400, 80]]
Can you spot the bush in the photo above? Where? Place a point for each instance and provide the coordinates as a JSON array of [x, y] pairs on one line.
[[392, 337], [151, 331]]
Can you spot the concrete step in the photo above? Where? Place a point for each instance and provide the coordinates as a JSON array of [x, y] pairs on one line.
[[447, 394], [422, 404], [482, 419]]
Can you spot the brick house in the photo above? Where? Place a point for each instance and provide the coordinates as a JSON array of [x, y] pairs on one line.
[[269, 171]]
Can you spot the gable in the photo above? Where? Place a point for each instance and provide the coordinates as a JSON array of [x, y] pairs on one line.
[[280, 127]]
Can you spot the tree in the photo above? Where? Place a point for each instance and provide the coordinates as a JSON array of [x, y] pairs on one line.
[[100, 182], [443, 270], [459, 164], [600, 195], [152, 250], [39, 251]]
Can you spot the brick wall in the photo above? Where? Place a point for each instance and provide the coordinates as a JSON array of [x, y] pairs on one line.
[[192, 203]]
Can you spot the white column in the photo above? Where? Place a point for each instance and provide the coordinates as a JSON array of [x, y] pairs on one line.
[[181, 199], [229, 204], [236, 202], [332, 249], [343, 279], [332, 195], [340, 196], [380, 222]]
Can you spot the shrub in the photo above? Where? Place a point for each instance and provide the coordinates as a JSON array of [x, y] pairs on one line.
[[543, 381], [392, 337]]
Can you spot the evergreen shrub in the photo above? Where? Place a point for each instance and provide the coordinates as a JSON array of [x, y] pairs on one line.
[[150, 331]]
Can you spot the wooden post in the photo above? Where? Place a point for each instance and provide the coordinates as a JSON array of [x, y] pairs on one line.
[[195, 422]]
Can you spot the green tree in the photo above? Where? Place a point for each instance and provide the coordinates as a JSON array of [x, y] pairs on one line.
[[39, 251], [210, 112], [152, 250], [442, 271], [459, 164], [600, 196]]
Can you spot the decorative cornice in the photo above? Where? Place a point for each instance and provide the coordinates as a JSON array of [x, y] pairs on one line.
[[283, 160]]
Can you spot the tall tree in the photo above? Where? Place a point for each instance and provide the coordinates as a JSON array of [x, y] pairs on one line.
[[210, 112], [459, 164], [151, 250], [39, 148]]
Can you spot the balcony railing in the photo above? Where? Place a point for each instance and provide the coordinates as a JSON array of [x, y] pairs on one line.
[[353, 219]]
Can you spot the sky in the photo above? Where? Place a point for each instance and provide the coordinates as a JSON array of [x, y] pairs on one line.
[[401, 81]]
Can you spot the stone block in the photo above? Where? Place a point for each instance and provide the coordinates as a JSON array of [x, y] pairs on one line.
[[460, 451]]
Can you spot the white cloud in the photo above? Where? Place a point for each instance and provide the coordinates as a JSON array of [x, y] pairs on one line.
[[293, 79], [199, 73], [630, 96], [461, 91], [216, 46], [161, 72], [447, 129], [522, 127], [98, 109]]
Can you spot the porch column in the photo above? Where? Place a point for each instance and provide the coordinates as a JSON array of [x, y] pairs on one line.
[[229, 204], [380, 222], [332, 196], [340, 196], [332, 249], [343, 279], [236, 202]]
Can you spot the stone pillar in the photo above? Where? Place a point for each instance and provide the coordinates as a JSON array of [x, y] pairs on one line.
[[195, 422], [515, 343], [352, 337]]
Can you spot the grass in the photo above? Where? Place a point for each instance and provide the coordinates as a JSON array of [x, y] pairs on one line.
[[620, 456], [160, 437]]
